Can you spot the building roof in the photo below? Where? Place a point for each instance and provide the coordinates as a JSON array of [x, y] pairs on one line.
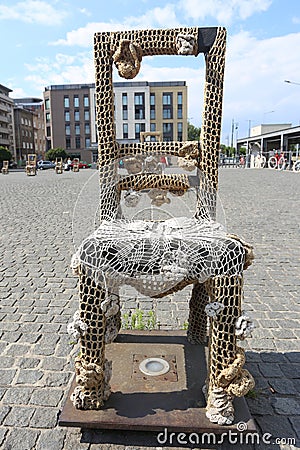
[[5, 89], [58, 87]]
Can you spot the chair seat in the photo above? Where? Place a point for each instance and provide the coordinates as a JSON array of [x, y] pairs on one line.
[[154, 257]]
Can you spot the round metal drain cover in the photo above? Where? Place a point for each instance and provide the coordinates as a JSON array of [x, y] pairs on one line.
[[154, 366]]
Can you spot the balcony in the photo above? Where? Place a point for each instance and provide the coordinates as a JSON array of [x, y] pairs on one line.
[[4, 141], [5, 130], [4, 119]]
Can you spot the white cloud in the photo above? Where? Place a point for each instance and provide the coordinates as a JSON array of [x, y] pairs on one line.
[[85, 12], [254, 81], [64, 69], [224, 11], [33, 11], [157, 17], [83, 37], [154, 18]]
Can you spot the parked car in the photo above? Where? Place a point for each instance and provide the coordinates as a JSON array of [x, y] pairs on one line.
[[82, 165], [43, 165]]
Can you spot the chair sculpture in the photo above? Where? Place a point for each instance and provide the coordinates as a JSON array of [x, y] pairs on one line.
[[4, 169], [59, 165], [30, 168], [75, 165], [164, 256]]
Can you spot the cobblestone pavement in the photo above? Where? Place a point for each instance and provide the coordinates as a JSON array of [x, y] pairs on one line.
[[38, 297]]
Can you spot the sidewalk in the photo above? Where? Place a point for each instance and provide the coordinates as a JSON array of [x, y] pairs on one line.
[[38, 297]]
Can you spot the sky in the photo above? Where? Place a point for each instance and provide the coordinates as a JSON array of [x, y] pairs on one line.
[[51, 42]]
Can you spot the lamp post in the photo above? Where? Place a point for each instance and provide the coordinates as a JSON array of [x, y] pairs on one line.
[[291, 82], [234, 126], [267, 112]]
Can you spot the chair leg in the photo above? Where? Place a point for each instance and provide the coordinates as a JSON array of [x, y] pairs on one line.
[[92, 370], [226, 376], [197, 329]]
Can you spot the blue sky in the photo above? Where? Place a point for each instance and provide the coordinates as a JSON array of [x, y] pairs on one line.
[[50, 42]]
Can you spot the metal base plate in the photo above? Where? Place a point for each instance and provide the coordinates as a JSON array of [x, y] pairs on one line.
[[144, 403]]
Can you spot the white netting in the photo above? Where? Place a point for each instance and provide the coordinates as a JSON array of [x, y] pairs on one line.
[[154, 238]]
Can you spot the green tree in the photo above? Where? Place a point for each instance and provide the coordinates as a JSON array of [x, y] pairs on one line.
[[193, 132], [57, 152], [228, 151], [5, 155]]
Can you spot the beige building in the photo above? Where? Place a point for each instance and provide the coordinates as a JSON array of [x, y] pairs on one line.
[[70, 114], [151, 106], [6, 119]]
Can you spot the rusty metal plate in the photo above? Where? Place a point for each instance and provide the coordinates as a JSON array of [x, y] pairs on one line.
[[148, 405], [171, 375]]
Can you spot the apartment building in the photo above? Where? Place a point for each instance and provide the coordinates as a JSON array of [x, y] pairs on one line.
[[36, 107], [6, 119], [70, 114], [68, 120], [29, 130]]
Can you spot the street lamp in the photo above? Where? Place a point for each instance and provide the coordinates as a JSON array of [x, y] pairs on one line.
[[291, 82], [265, 113]]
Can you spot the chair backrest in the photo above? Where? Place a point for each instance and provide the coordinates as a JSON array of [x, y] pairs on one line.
[[31, 159], [126, 50]]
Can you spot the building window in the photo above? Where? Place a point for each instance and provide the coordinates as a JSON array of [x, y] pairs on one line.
[[124, 107], [47, 117], [179, 131], [152, 128], [179, 105], [76, 115], [86, 102], [125, 130], [67, 116], [124, 100], [66, 102], [48, 131], [152, 106], [167, 132], [77, 142], [77, 128], [67, 130], [167, 98], [139, 127], [47, 103], [76, 101], [87, 128], [87, 142], [139, 106], [86, 115], [167, 105], [167, 113], [68, 142]]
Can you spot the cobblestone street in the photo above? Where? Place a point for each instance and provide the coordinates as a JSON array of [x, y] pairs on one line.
[[38, 297]]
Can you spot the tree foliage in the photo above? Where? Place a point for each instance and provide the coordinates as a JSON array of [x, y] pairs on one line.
[[193, 132], [228, 151], [5, 155], [57, 152]]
